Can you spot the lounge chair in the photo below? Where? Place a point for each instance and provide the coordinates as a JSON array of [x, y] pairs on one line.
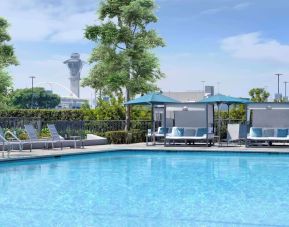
[[9, 143], [159, 134], [235, 133], [259, 135], [34, 139], [187, 134], [57, 138]]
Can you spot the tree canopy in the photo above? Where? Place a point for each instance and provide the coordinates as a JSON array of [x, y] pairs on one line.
[[259, 95], [5, 88], [123, 59], [22, 99], [7, 56]]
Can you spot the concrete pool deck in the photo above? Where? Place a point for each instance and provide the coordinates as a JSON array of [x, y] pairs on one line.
[[40, 153]]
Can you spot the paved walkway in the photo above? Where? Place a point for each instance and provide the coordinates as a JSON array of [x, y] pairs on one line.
[[16, 155]]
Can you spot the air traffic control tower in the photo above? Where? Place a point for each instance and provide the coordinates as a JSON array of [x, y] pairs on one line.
[[75, 65]]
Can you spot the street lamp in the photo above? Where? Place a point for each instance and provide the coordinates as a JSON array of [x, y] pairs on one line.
[[278, 76], [32, 86], [285, 83], [203, 82], [218, 87]]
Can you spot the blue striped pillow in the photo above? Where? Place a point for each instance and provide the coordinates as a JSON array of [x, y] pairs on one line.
[[201, 132], [282, 132]]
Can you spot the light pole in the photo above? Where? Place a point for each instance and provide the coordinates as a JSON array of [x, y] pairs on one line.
[[278, 76], [285, 83], [218, 87], [32, 86], [203, 83]]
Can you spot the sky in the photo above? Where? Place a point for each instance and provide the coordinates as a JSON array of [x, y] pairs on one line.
[[234, 45]]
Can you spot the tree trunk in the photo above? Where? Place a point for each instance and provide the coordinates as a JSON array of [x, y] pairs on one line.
[[127, 113]]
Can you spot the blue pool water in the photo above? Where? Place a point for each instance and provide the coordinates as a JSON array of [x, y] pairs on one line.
[[147, 189]]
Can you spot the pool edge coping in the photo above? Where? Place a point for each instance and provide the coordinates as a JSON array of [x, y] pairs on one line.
[[107, 150]]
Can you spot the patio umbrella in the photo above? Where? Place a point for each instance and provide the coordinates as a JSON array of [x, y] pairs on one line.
[[224, 99], [152, 99], [219, 99]]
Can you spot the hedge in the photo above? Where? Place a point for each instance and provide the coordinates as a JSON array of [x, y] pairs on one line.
[[46, 115], [122, 137], [99, 113]]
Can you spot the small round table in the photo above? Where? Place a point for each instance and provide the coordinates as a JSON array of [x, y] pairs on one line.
[[75, 139]]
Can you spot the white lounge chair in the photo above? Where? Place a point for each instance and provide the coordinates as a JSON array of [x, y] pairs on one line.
[[9, 143], [187, 134], [159, 134], [260, 135], [235, 132], [59, 139], [34, 139]]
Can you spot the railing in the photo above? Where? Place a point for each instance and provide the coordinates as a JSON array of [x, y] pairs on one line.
[[18, 122], [77, 127]]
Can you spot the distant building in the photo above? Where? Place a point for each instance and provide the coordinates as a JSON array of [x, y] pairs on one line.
[[71, 103], [278, 96], [190, 96], [209, 91]]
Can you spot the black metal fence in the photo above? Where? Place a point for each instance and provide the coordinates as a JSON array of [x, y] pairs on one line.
[[77, 127]]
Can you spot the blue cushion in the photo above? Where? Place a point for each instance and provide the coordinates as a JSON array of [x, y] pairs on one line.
[[163, 130], [178, 131], [282, 132], [201, 132], [256, 132], [269, 132], [189, 132]]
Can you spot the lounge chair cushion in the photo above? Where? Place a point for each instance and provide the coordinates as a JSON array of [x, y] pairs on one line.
[[255, 132], [282, 132], [190, 132], [201, 132], [162, 130], [268, 132], [178, 131]]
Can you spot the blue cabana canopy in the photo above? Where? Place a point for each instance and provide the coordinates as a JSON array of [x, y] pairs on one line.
[[218, 99], [152, 99]]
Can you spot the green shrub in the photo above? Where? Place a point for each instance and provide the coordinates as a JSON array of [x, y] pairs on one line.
[[138, 136], [45, 133], [45, 115], [117, 137], [123, 137], [23, 136]]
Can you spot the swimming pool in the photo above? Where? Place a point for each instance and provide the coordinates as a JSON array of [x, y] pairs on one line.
[[147, 189]]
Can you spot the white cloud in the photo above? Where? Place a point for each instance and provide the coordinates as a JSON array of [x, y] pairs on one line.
[[61, 21], [240, 6], [253, 47]]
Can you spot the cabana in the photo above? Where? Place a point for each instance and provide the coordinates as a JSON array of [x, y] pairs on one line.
[[227, 100], [192, 123], [269, 123], [155, 100]]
